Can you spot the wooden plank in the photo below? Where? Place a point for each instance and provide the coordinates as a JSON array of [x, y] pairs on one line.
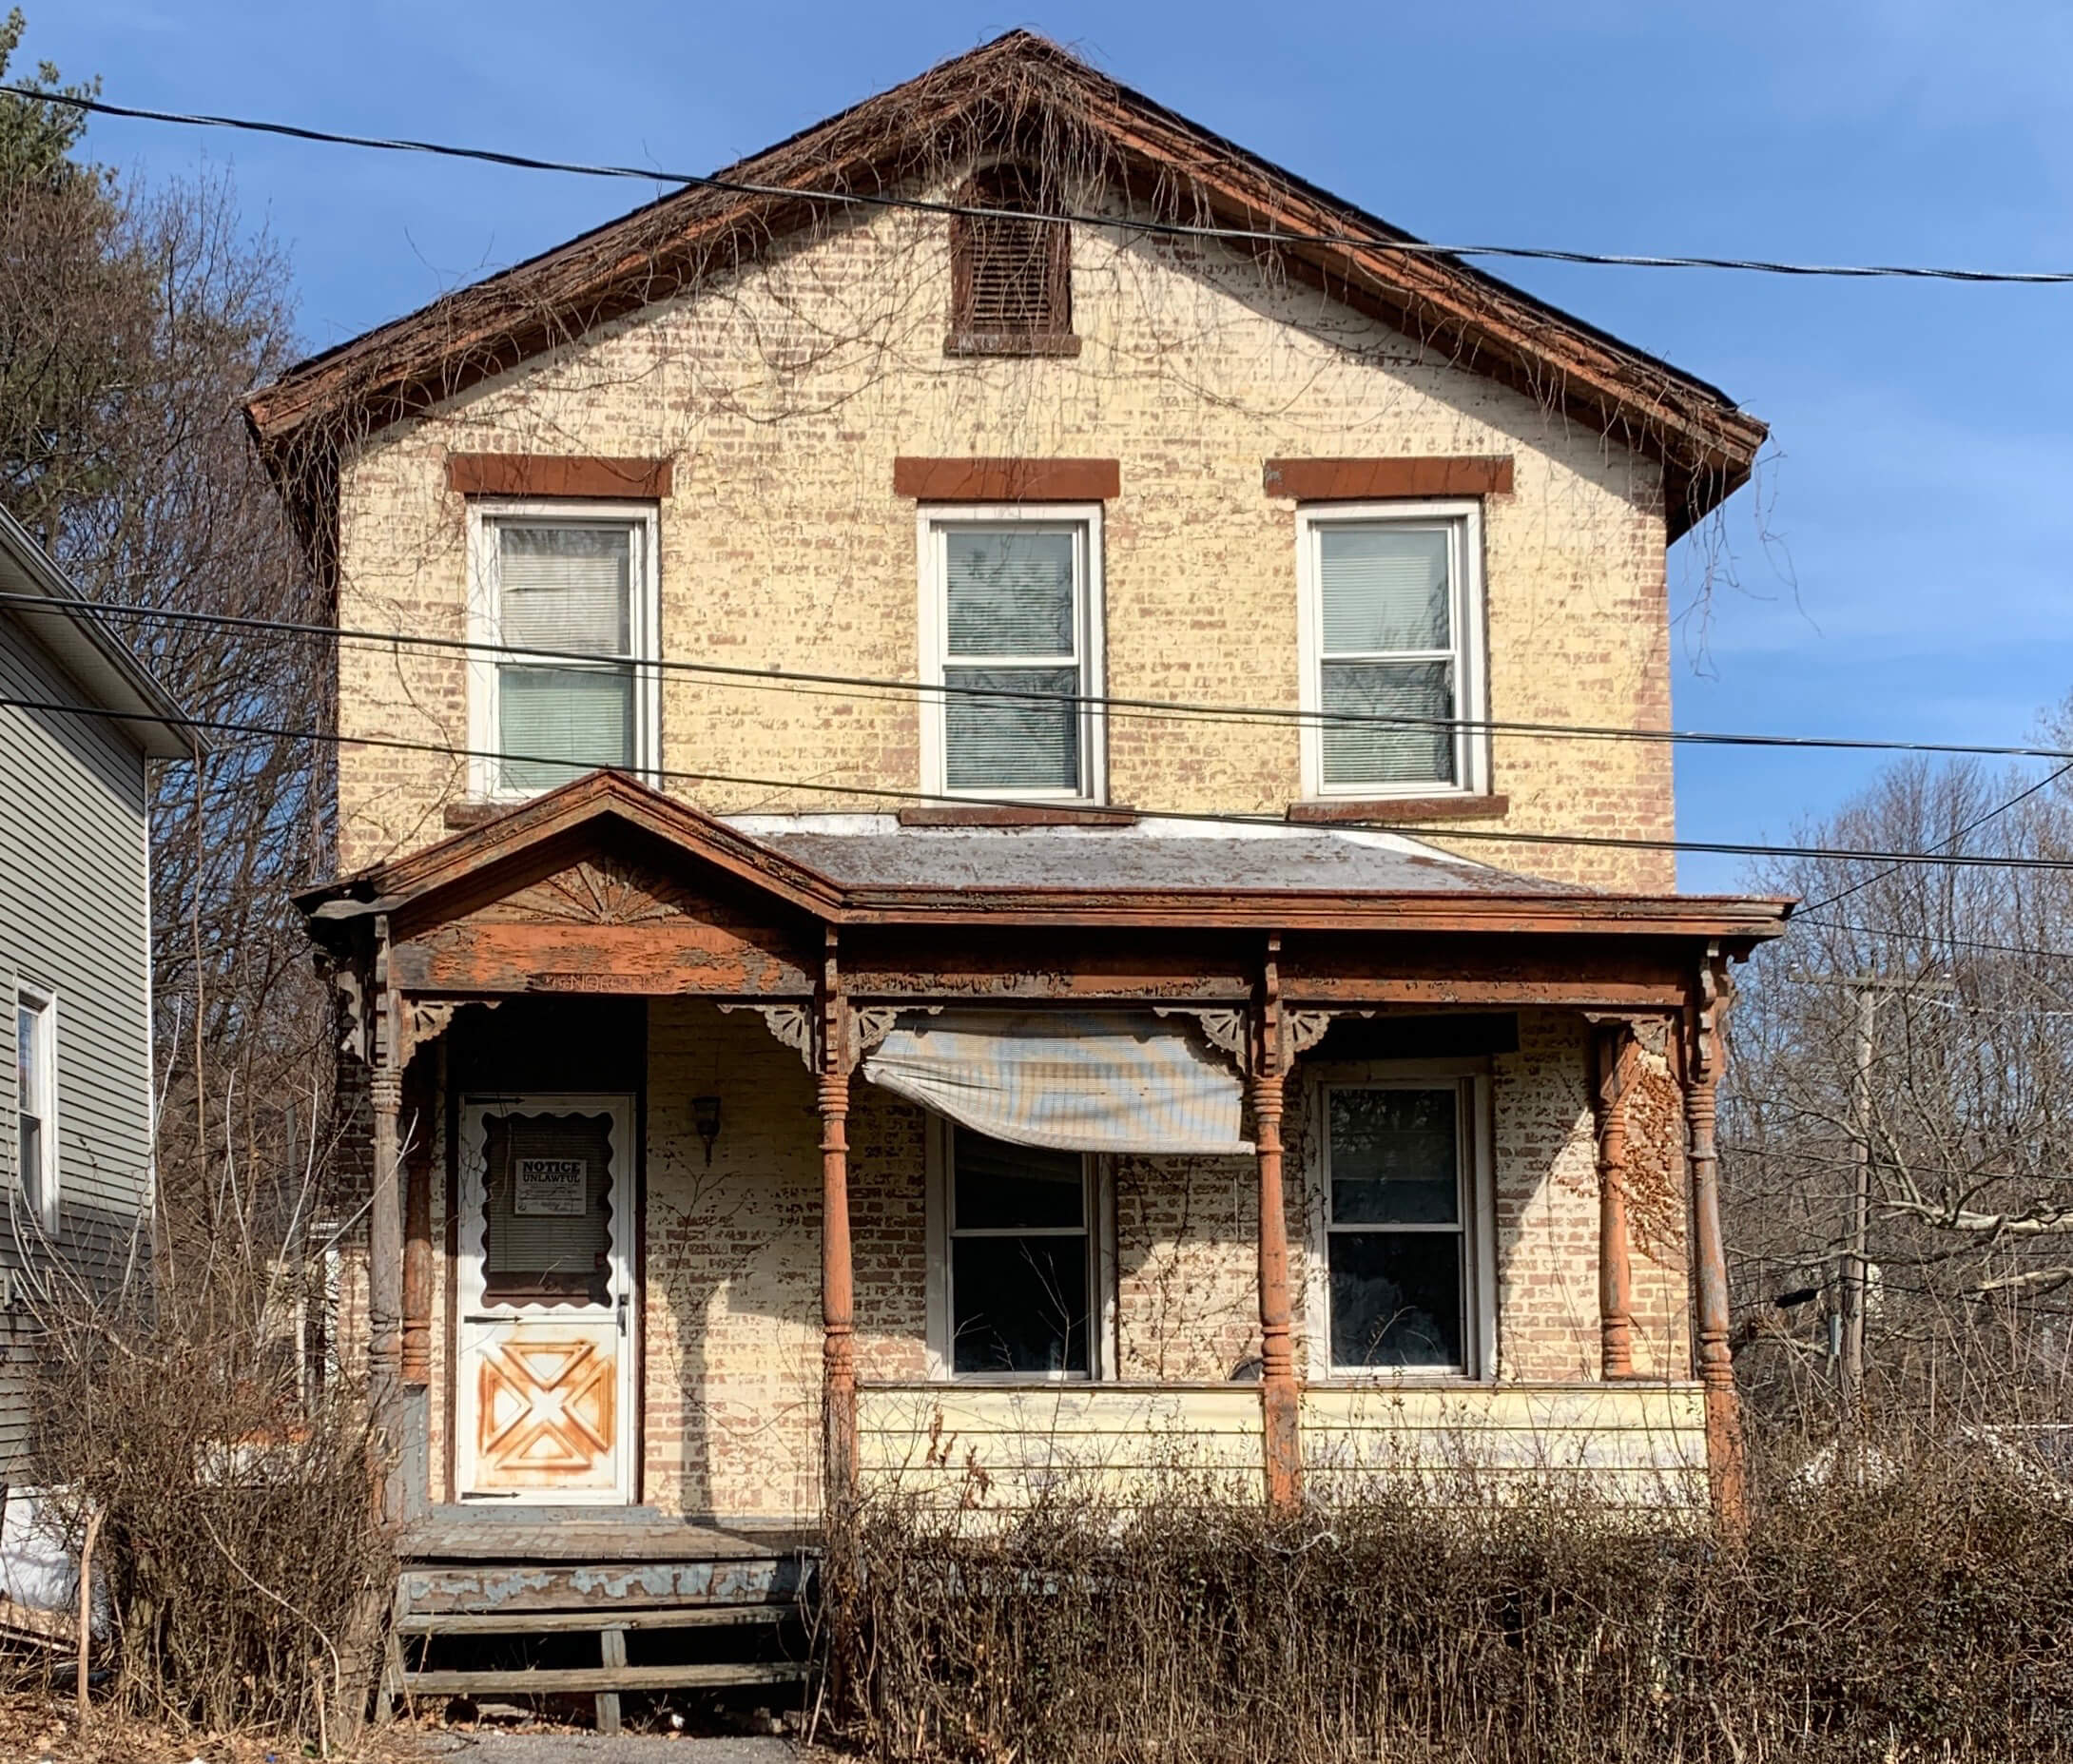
[[612, 1653], [593, 1678], [683, 955], [580, 1622], [630, 1585]]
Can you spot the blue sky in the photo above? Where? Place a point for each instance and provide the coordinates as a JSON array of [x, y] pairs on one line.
[[1901, 568]]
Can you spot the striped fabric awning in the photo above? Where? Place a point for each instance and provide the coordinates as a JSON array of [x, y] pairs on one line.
[[1073, 1080]]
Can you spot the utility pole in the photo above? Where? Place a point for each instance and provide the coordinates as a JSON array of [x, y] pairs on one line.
[[1856, 1271], [1853, 1269]]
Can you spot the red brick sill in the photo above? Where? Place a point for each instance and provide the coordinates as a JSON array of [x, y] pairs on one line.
[[1006, 815], [1404, 808]]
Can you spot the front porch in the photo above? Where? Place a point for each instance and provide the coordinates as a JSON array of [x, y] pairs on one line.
[[780, 1228]]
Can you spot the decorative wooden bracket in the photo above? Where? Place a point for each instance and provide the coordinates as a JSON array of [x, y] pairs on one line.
[[864, 1028], [793, 1024]]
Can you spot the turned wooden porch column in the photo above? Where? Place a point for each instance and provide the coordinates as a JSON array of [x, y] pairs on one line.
[[837, 1285], [1727, 1471], [1614, 1056], [1280, 1399], [420, 1094], [385, 1220]]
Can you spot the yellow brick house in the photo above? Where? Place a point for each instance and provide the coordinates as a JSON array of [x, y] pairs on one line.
[[959, 862]]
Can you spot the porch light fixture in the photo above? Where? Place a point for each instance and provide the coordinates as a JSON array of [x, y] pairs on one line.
[[705, 1120]]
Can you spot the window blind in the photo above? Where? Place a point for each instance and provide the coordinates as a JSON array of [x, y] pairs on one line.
[[1385, 751], [1385, 589], [566, 588], [570, 589], [1010, 593], [1011, 596], [1383, 592]]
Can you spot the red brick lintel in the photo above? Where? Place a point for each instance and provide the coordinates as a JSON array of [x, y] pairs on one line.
[[1358, 480], [1404, 808], [557, 474], [1007, 480]]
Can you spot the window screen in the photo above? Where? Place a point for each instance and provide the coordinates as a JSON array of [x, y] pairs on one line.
[[1013, 599], [1396, 1243], [1018, 1258], [1387, 651], [548, 1203], [567, 589]]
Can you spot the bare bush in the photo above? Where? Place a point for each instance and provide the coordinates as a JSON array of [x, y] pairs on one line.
[[1925, 1611], [238, 1543]]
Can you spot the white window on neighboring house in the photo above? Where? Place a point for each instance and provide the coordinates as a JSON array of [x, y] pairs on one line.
[[1012, 606], [37, 1104], [571, 590], [1391, 640], [1403, 1269], [1016, 1269]]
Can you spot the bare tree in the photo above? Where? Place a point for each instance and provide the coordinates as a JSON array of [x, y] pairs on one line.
[[132, 323], [1903, 1079]]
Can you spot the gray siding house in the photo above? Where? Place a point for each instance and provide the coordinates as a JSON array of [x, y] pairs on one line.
[[80, 722]]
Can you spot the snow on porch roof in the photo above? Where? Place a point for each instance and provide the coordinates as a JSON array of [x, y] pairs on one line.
[[876, 851]]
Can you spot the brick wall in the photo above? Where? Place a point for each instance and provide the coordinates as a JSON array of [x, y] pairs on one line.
[[732, 1303], [783, 398]]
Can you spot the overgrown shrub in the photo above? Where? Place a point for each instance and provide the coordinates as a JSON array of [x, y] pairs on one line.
[[246, 1571], [1915, 1609]]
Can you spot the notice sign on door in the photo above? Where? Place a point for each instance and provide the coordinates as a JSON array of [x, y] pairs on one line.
[[550, 1188]]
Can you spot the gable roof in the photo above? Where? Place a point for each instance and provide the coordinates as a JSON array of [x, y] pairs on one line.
[[1012, 89], [108, 676]]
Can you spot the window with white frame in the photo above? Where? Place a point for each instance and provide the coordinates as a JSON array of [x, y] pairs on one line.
[[1399, 1203], [1017, 1259], [1012, 632], [36, 1103], [1392, 649], [572, 590]]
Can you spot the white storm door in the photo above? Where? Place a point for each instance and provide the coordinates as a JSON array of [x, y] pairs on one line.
[[548, 1345]]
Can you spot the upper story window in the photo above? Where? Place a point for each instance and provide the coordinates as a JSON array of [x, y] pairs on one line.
[[1012, 604], [575, 585], [1391, 625], [1011, 278], [1402, 1226], [37, 1104]]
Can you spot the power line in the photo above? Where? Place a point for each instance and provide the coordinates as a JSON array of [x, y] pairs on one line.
[[1804, 917], [1978, 820], [891, 793], [1407, 247], [1152, 709]]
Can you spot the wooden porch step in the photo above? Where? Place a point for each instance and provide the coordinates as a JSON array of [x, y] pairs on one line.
[[579, 1622], [548, 1682]]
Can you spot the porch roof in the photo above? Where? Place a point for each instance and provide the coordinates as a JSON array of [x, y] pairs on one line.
[[870, 851], [866, 869]]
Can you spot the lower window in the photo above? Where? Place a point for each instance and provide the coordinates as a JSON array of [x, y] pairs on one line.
[[1020, 1259], [1397, 1244]]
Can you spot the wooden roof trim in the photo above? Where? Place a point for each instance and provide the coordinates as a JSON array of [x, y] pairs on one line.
[[1706, 442], [1754, 919], [575, 805]]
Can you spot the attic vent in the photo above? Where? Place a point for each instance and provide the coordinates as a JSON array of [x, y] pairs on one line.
[[1010, 287]]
